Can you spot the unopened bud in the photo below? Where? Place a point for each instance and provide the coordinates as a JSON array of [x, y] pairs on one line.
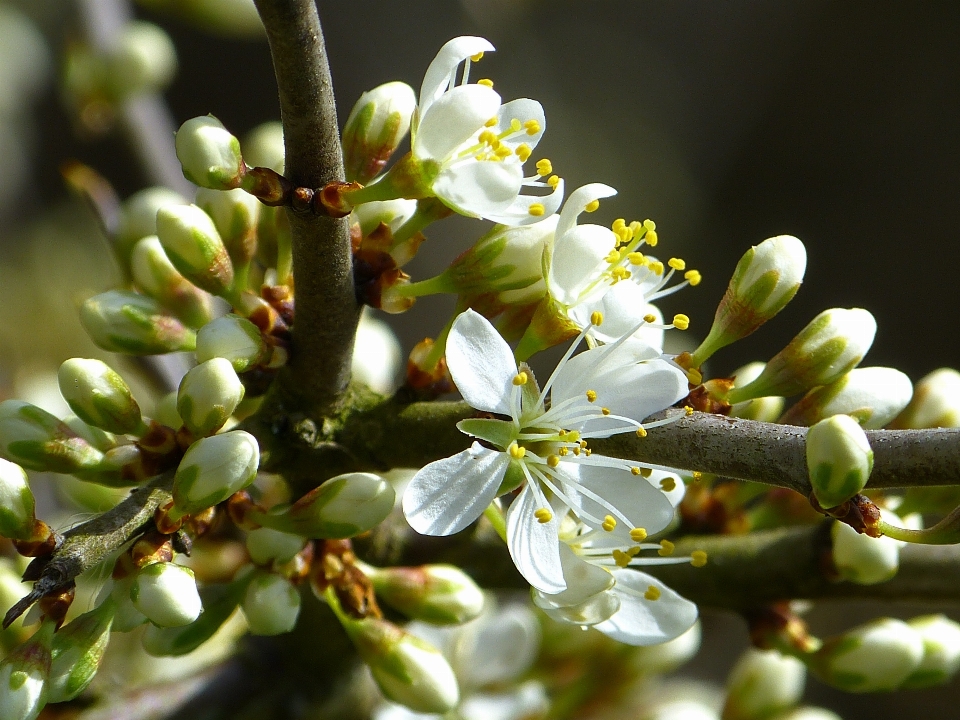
[[762, 683], [78, 649], [375, 127], [99, 396], [138, 217], [762, 409], [126, 322], [17, 507], [166, 594], [195, 248], [263, 146], [267, 545], [392, 213], [143, 60], [219, 602], [874, 657], [941, 651], [765, 280], [862, 559], [208, 395], [213, 469], [839, 459], [37, 440], [935, 403], [23, 676], [871, 396], [235, 214], [156, 276], [234, 338], [377, 356], [342, 507], [437, 594], [271, 604], [209, 154], [830, 346]]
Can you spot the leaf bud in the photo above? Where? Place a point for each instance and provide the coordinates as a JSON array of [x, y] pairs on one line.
[[342, 507], [941, 651], [143, 60], [17, 507], [376, 126], [138, 217], [37, 440], [377, 356], [271, 604], [209, 154], [762, 409], [263, 146], [23, 676], [764, 281], [166, 594], [872, 396], [213, 469], [267, 545], [839, 459], [235, 214], [862, 559], [127, 322], [208, 395], [99, 396], [156, 276], [195, 248], [935, 403], [437, 594], [874, 657], [234, 338], [78, 649], [763, 682], [831, 345]]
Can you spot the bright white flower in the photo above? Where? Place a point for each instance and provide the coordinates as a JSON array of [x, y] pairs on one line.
[[541, 448]]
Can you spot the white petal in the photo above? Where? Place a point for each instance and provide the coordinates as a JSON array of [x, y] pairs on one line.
[[523, 110], [624, 307], [578, 200], [592, 611], [502, 646], [481, 363], [534, 546], [647, 622], [578, 260], [583, 579], [479, 188], [449, 494], [454, 52], [453, 119], [519, 212], [675, 496]]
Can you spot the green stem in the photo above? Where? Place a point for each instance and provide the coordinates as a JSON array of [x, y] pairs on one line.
[[945, 532], [437, 285], [494, 513]]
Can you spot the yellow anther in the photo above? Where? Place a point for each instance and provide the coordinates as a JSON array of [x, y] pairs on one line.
[[536, 209], [698, 558], [649, 224], [677, 264], [646, 472], [612, 257], [619, 273], [591, 206], [543, 516], [688, 410], [544, 167], [596, 317], [624, 235], [572, 435], [532, 127], [635, 470], [609, 523], [576, 450], [620, 558], [697, 475], [553, 181], [656, 267], [553, 460], [635, 228], [523, 152], [666, 548], [681, 321], [650, 318], [636, 258], [618, 225], [693, 277], [520, 378], [668, 484], [516, 452], [491, 122], [605, 411], [515, 125], [633, 551], [641, 432], [638, 534], [486, 82], [478, 57], [487, 137], [695, 377], [563, 452], [591, 395], [503, 152], [651, 238], [652, 593], [588, 452]]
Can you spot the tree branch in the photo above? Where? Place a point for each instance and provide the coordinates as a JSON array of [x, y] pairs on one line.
[[327, 311]]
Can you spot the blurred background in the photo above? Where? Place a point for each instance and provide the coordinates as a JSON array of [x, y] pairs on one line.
[[725, 121]]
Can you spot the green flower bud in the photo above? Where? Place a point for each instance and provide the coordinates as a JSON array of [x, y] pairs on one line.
[[219, 602], [235, 214], [100, 439], [193, 245], [127, 322], [99, 396], [839, 459], [213, 469], [343, 507], [263, 146], [874, 657], [765, 280], [935, 403], [871, 396], [941, 651], [377, 356], [23, 676], [271, 604], [863, 559], [37, 440], [437, 594], [209, 393], [143, 60], [762, 683], [266, 545], [17, 508], [156, 276], [762, 409], [78, 649], [209, 154], [138, 217], [375, 128], [166, 410], [234, 338], [166, 594], [830, 346]]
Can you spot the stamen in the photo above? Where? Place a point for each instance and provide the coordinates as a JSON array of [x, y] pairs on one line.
[[635, 470], [666, 548], [591, 395], [491, 122], [638, 534], [656, 267], [592, 206], [605, 411], [543, 516], [681, 321], [652, 593], [612, 257], [650, 318], [641, 432], [688, 410], [651, 237], [515, 125], [596, 317], [532, 127], [649, 224], [677, 264], [697, 475], [609, 523], [536, 209], [693, 277], [516, 452], [668, 484], [524, 151], [553, 181], [698, 558], [563, 452], [553, 460], [544, 167], [486, 82], [620, 558], [503, 152], [636, 258], [477, 57], [520, 378], [646, 472]]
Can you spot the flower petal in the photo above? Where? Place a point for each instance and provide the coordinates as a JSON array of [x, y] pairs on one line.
[[534, 546], [441, 69], [519, 212], [592, 611], [578, 260], [578, 200], [479, 188], [449, 494], [647, 622], [481, 364], [452, 120], [499, 648], [526, 701], [584, 580], [522, 109], [623, 306]]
